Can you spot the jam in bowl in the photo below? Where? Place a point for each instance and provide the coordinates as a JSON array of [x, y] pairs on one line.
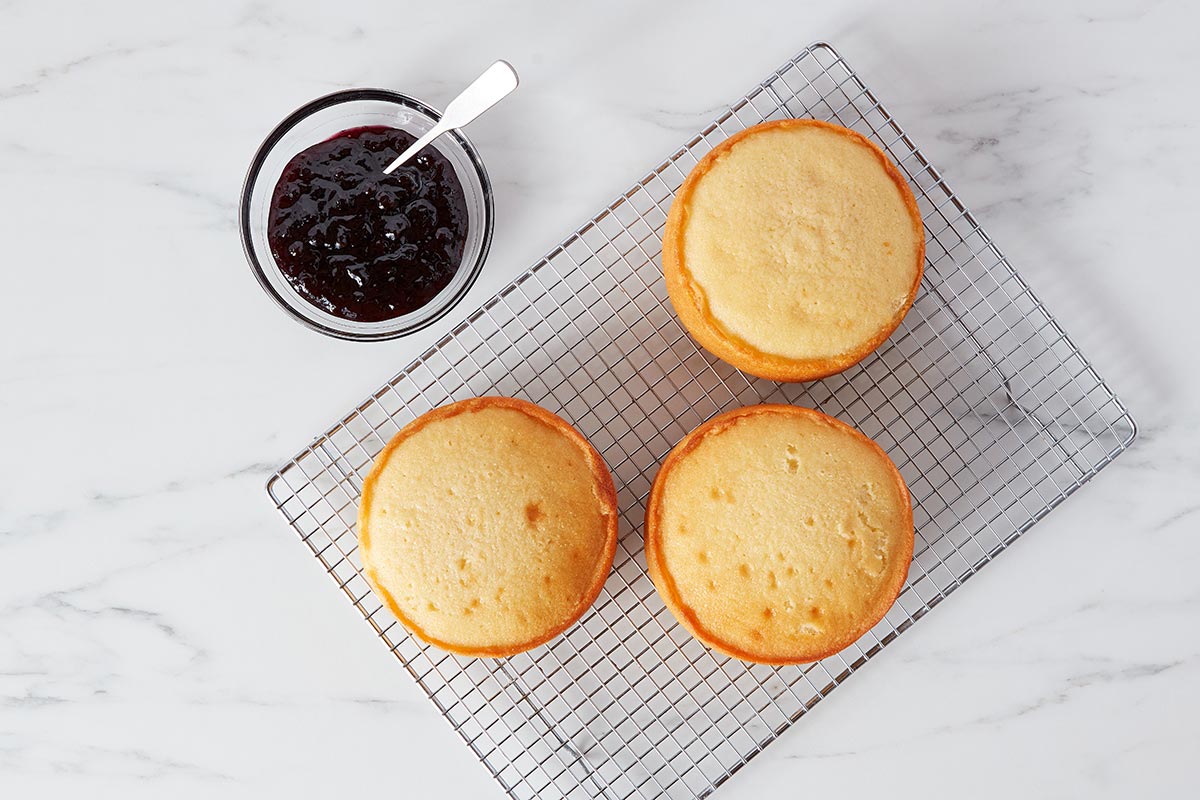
[[348, 250]]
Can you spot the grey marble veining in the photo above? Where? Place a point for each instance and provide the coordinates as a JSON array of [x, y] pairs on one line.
[[161, 633]]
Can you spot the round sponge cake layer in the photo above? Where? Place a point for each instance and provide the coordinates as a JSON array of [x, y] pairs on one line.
[[488, 526], [778, 534], [793, 249]]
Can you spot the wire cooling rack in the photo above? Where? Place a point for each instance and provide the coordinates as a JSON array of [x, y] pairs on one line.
[[990, 412]]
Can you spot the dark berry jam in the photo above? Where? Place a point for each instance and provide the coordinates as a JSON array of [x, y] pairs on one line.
[[362, 245]]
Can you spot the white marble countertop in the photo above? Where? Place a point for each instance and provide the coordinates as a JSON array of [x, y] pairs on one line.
[[163, 634]]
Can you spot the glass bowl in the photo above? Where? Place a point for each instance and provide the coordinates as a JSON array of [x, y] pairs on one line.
[[319, 120]]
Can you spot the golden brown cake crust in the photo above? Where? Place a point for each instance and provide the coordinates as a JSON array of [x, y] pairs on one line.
[[666, 584], [605, 493], [692, 306]]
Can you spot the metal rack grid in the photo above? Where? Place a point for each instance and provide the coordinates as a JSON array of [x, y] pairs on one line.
[[990, 412]]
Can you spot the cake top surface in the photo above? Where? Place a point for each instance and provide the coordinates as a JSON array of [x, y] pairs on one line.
[[801, 239], [783, 534], [488, 526]]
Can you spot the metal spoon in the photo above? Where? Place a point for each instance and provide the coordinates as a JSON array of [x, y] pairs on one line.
[[484, 92]]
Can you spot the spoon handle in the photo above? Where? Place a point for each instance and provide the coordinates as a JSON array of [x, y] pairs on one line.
[[496, 82]]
